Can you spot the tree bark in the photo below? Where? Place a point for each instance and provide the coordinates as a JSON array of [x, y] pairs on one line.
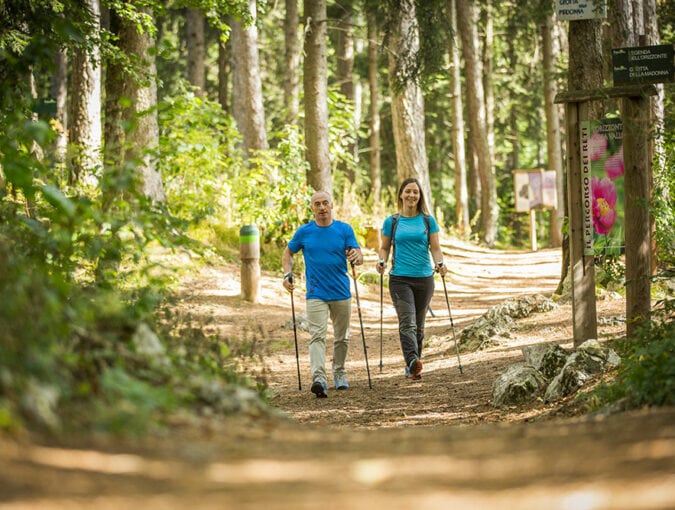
[[638, 245], [248, 106], [224, 74], [145, 139], [374, 108], [657, 155], [345, 73], [60, 93], [468, 22], [140, 143], [407, 102], [292, 62], [196, 50], [85, 113], [461, 191], [487, 80], [585, 72], [316, 96], [553, 140]]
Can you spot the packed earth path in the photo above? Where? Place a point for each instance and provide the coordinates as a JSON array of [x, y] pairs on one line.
[[436, 443]]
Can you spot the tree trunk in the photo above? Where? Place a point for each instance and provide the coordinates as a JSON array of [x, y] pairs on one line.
[[345, 73], [224, 74], [144, 141], [461, 192], [468, 23], [85, 113], [487, 80], [196, 50], [292, 62], [585, 72], [60, 93], [657, 155], [407, 102], [139, 144], [553, 140], [248, 107], [316, 96], [375, 166]]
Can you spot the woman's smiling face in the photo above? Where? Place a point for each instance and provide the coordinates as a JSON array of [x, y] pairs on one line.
[[410, 195]]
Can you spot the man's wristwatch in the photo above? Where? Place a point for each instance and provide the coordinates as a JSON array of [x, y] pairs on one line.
[[288, 276], [381, 262], [439, 264]]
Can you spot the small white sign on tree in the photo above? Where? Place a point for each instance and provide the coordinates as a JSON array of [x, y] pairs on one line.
[[573, 10]]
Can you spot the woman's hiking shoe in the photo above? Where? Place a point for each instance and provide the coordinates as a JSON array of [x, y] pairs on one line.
[[319, 389], [415, 369], [341, 382]]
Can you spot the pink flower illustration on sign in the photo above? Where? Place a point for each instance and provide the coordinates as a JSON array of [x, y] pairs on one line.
[[614, 165], [598, 146], [604, 204]]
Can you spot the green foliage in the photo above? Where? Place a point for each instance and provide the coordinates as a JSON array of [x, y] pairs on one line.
[[663, 197], [128, 404], [609, 270], [207, 180], [272, 193], [198, 157], [647, 373], [82, 271]]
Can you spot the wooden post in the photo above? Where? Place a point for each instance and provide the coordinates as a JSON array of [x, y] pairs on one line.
[[533, 229], [249, 253], [636, 189], [637, 223], [584, 315]]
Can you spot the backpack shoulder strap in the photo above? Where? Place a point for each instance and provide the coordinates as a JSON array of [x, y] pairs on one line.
[[394, 223]]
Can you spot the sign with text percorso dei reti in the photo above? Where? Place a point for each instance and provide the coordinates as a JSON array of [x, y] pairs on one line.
[[643, 64]]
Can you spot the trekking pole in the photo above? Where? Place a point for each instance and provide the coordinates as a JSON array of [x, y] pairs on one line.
[[452, 324], [295, 335], [363, 336], [381, 322]]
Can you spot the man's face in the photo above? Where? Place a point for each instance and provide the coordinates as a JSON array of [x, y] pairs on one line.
[[322, 207]]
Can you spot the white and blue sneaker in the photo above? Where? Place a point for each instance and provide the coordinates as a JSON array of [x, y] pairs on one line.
[[319, 389], [341, 382]]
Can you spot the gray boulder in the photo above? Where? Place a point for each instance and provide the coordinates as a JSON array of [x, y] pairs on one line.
[[498, 321], [547, 358], [590, 358], [518, 384]]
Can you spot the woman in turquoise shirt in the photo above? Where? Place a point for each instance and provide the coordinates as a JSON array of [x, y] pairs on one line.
[[410, 235]]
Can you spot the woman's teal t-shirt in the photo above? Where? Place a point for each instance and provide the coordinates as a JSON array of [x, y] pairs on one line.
[[412, 245]]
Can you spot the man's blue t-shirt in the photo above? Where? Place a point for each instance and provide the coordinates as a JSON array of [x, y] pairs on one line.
[[323, 249], [412, 245]]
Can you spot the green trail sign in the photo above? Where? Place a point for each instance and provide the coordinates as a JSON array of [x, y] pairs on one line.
[[643, 64]]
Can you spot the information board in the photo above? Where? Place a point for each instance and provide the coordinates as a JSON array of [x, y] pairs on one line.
[[643, 64]]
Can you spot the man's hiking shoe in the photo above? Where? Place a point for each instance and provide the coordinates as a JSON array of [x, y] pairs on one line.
[[319, 389], [415, 369], [341, 382]]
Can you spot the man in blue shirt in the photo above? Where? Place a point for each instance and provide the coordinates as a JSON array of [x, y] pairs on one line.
[[327, 246]]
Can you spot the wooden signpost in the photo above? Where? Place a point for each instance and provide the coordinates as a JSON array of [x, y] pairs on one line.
[[636, 164], [535, 189]]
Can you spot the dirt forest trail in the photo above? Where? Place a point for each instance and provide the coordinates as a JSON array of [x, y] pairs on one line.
[[436, 443]]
